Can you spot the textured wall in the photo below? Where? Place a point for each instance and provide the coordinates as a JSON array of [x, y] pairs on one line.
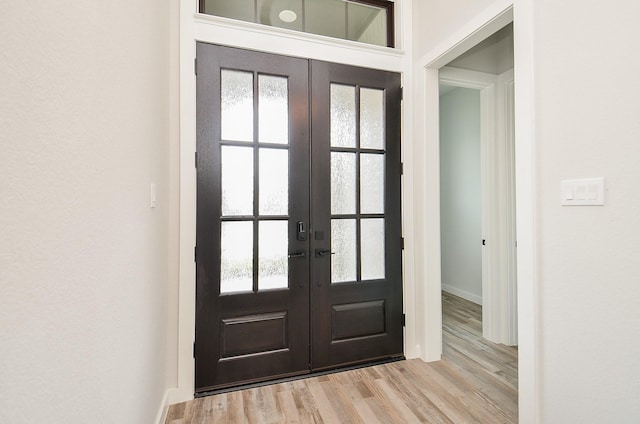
[[84, 110], [589, 272], [435, 20]]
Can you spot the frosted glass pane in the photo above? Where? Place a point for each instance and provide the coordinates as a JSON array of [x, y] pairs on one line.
[[343, 183], [273, 110], [371, 118], [343, 116], [372, 245], [237, 105], [236, 259], [237, 180], [273, 261], [343, 244], [371, 183], [274, 182]]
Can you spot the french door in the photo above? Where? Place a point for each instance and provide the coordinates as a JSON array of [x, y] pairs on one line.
[[298, 217]]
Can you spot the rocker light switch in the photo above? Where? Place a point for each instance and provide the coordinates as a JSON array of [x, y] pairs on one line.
[[583, 192], [152, 196]]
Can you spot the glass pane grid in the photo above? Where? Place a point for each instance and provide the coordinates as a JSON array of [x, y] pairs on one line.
[[255, 183], [357, 184]]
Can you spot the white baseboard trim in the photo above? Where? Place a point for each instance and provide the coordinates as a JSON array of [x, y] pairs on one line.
[[161, 417], [463, 294]]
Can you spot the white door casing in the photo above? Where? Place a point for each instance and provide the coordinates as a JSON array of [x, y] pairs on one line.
[[426, 193], [499, 303]]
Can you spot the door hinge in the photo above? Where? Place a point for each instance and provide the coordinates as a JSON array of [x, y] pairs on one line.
[[401, 93], [484, 242], [195, 66], [196, 159], [402, 242], [194, 349], [404, 320], [195, 253], [401, 168]]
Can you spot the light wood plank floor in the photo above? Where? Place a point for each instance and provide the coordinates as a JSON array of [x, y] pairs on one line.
[[475, 382]]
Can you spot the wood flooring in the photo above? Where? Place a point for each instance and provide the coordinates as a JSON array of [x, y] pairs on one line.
[[475, 382]]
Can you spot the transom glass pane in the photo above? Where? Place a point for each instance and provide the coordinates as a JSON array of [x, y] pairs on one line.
[[273, 110], [343, 183], [236, 105], [371, 118], [237, 180], [343, 116], [236, 259], [273, 244], [326, 17], [357, 21], [274, 182], [236, 9], [371, 183], [372, 245], [366, 24], [343, 244], [270, 13]]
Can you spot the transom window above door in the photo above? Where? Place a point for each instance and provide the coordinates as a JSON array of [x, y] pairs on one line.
[[366, 21]]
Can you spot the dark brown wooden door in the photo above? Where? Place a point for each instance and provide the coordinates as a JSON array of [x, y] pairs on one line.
[[252, 280], [288, 282], [356, 271]]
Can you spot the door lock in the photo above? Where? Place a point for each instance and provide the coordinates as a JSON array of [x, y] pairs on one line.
[[301, 232]]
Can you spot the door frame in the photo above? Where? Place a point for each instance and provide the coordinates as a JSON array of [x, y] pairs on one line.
[[426, 132], [499, 288], [423, 332], [195, 27]]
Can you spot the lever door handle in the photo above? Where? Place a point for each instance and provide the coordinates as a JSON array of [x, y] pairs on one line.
[[300, 254], [324, 252]]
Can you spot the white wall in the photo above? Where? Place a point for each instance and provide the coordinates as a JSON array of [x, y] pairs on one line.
[[587, 88], [84, 130], [583, 122], [460, 193], [435, 20]]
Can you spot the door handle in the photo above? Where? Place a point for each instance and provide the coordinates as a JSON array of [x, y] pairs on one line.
[[324, 252], [300, 254]]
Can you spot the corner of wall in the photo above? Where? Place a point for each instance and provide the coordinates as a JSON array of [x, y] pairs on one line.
[[163, 408]]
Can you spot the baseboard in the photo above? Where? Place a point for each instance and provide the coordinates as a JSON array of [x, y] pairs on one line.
[[161, 417], [463, 294]]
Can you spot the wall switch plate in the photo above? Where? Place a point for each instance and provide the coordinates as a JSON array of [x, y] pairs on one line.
[[582, 192], [152, 196]]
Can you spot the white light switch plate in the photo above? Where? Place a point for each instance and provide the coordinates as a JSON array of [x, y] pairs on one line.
[[153, 200], [582, 192]]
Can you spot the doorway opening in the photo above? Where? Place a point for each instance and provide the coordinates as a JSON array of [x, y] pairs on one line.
[[477, 184]]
